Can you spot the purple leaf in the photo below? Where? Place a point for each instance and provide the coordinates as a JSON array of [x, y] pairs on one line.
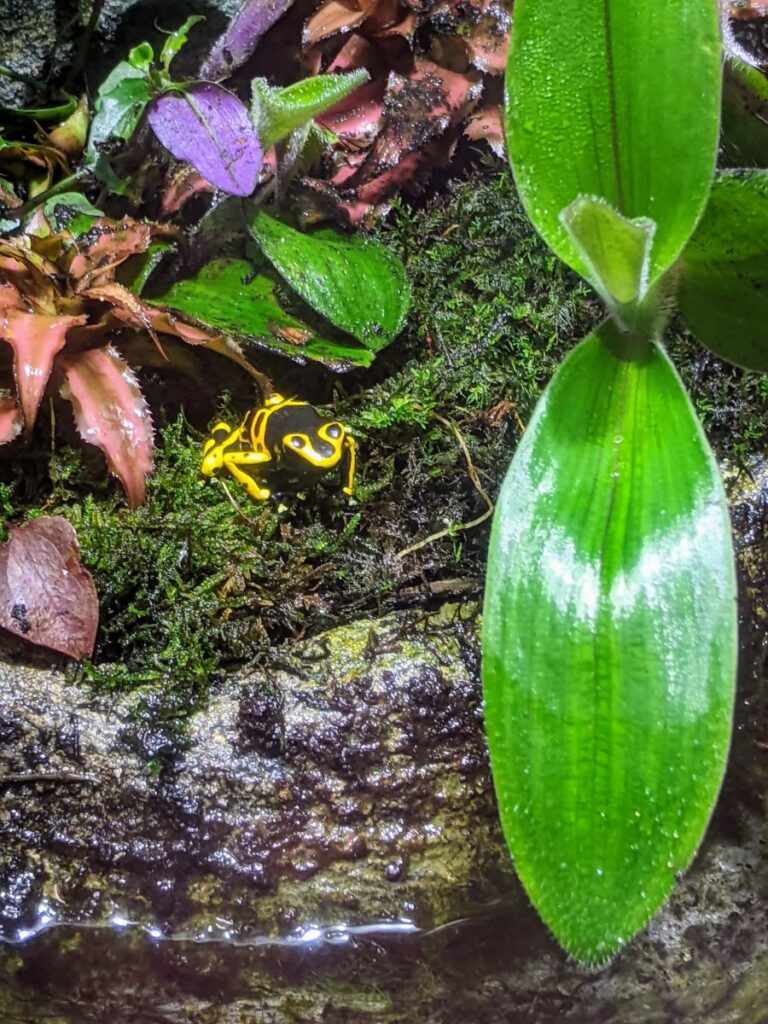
[[46, 596], [236, 45], [210, 129]]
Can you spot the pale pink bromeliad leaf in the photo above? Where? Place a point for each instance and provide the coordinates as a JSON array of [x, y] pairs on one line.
[[486, 125], [211, 129], [10, 420], [35, 339], [46, 596], [111, 413]]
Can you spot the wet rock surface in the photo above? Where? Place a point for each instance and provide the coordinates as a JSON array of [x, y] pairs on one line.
[[344, 784], [324, 849], [41, 39]]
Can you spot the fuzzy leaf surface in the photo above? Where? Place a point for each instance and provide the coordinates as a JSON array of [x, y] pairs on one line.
[[355, 282], [609, 645], [227, 296], [278, 112], [46, 596], [210, 128], [615, 250], [723, 292], [599, 101]]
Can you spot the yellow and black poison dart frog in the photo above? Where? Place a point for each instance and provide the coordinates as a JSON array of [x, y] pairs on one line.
[[285, 443]]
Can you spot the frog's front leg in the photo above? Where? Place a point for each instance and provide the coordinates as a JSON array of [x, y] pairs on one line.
[[222, 438], [234, 460], [348, 460]]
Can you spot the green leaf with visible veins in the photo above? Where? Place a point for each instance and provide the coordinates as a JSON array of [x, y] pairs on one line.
[[724, 271], [353, 281], [599, 101], [278, 112], [615, 251], [228, 296], [609, 645]]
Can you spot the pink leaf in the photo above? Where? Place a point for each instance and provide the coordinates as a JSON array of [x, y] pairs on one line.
[[358, 117], [10, 420], [108, 244], [46, 596], [211, 129], [486, 125], [35, 339], [111, 413], [335, 16]]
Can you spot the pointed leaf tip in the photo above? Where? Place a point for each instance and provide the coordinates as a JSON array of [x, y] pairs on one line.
[[35, 339], [110, 412]]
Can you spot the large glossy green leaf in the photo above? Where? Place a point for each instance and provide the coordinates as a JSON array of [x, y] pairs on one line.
[[609, 645], [227, 295], [600, 95], [353, 281], [724, 271]]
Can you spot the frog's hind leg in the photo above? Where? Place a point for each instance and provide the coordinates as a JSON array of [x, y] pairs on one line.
[[235, 460]]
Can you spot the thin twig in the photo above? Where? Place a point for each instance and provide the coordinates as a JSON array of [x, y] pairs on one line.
[[85, 44], [472, 472], [20, 778], [237, 508]]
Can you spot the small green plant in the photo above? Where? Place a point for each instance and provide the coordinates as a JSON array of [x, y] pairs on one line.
[[610, 632]]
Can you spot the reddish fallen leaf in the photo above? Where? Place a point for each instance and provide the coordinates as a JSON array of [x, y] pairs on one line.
[[488, 42], [421, 112], [35, 339], [46, 596], [358, 118], [110, 412]]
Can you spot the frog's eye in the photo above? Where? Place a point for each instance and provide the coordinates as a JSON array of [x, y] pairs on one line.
[[333, 430]]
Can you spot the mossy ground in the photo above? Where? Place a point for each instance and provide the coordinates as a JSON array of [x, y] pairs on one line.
[[188, 586]]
